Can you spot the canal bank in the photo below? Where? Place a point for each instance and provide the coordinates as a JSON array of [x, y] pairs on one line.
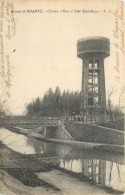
[[11, 186], [70, 184], [47, 180], [39, 157], [67, 185], [91, 137]]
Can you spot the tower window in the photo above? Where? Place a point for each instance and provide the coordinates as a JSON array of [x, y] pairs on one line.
[[96, 80], [96, 89], [96, 73], [90, 80], [96, 100], [90, 89], [96, 64], [90, 101], [90, 64]]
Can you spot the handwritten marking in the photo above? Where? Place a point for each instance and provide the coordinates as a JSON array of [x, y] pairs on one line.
[[2, 56], [8, 22], [118, 34]]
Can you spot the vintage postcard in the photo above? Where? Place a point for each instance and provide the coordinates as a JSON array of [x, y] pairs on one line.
[[62, 97]]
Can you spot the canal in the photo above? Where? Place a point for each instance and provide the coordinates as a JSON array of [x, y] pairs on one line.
[[104, 169]]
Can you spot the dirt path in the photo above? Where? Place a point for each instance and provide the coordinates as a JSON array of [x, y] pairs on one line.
[[11, 186], [70, 185]]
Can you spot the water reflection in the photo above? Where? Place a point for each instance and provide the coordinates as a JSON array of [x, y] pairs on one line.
[[16, 142], [103, 168], [37, 146]]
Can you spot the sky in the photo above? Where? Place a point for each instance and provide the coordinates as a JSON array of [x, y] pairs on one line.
[[45, 47]]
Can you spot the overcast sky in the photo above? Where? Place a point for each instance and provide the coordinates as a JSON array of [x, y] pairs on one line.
[[45, 47]]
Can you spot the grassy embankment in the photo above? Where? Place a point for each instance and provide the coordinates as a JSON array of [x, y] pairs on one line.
[[24, 167], [93, 133]]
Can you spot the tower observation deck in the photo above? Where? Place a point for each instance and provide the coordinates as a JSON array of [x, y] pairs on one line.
[[93, 51]]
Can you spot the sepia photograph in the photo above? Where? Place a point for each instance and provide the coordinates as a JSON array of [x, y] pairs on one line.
[[62, 97]]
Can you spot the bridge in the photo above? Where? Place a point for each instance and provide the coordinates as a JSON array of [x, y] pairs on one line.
[[70, 133], [29, 122], [47, 127]]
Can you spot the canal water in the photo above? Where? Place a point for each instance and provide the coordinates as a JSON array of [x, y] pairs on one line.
[[103, 168]]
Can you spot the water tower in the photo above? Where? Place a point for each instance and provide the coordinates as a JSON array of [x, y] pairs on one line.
[[93, 51]]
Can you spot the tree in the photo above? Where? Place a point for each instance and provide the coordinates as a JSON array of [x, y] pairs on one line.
[[115, 111], [55, 104], [118, 109], [37, 106], [120, 96], [3, 107], [50, 102], [110, 93]]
